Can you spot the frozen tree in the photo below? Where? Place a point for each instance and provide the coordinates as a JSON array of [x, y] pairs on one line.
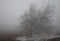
[[37, 22]]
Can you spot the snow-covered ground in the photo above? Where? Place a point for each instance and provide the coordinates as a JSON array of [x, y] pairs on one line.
[[38, 37]]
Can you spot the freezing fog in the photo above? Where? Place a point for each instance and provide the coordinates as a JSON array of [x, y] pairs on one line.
[[11, 10]]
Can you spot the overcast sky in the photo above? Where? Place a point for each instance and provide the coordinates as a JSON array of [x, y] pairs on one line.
[[10, 10]]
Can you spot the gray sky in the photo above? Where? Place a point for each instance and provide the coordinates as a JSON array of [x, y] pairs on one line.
[[57, 2], [10, 10]]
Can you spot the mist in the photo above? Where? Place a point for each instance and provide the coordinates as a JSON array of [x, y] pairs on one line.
[[11, 10]]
